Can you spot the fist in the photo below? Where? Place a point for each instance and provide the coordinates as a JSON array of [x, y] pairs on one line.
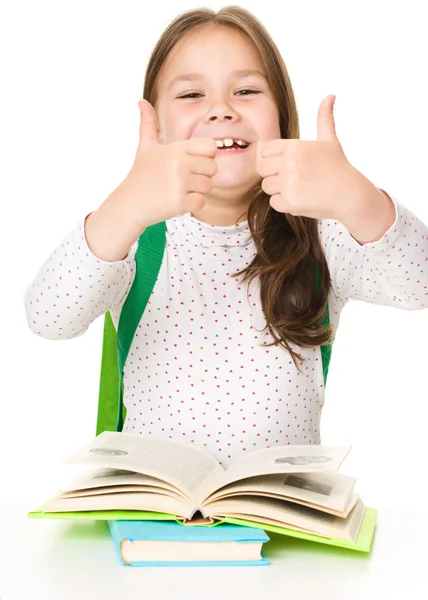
[[169, 180], [308, 178]]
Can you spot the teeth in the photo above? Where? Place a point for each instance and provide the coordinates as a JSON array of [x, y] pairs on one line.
[[228, 142]]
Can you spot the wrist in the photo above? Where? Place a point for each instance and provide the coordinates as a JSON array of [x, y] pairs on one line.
[[369, 214], [112, 229]]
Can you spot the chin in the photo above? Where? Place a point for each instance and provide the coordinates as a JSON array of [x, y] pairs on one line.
[[231, 181]]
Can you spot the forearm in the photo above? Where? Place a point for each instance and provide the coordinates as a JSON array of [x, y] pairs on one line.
[[73, 288], [390, 271]]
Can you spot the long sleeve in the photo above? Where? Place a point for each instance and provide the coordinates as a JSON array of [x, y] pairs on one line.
[[74, 287], [392, 271]]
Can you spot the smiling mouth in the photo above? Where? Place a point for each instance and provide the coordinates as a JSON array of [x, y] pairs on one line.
[[229, 145]]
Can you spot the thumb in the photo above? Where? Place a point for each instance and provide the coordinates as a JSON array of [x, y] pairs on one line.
[[149, 128], [326, 128]]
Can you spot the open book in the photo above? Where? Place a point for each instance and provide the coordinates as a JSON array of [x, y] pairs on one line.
[[296, 487]]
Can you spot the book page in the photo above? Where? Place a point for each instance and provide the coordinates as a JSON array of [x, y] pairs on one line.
[[286, 459], [123, 501], [109, 481], [330, 491], [180, 464], [290, 515], [185, 551]]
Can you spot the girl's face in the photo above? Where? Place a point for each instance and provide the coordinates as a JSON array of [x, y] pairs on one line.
[[213, 84]]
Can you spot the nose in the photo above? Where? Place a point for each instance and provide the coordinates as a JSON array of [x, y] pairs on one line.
[[219, 116], [221, 111]]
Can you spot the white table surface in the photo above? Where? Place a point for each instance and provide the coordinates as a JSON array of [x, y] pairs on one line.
[[43, 559]]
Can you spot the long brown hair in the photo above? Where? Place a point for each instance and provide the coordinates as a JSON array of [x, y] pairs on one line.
[[288, 249]]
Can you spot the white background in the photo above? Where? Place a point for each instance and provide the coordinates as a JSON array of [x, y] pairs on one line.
[[71, 75]]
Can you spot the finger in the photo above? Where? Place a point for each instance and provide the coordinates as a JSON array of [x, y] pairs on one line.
[[271, 185], [149, 128], [203, 165], [200, 184], [272, 148], [272, 165], [201, 147], [195, 201], [277, 202], [326, 128]]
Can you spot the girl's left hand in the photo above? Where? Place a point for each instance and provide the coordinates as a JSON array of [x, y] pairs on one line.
[[313, 179]]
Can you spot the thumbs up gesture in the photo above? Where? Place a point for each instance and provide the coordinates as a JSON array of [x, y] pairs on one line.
[[168, 180], [312, 178]]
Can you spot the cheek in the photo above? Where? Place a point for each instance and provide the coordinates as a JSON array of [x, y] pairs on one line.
[[271, 125], [276, 131], [176, 125], [267, 122]]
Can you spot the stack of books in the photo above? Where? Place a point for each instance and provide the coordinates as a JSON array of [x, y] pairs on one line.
[[292, 490], [168, 543]]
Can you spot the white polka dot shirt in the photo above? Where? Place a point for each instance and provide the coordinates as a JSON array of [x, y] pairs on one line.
[[199, 368]]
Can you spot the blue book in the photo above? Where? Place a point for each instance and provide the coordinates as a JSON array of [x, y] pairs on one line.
[[169, 543]]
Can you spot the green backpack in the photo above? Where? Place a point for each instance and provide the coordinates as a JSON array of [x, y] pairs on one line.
[[116, 345]]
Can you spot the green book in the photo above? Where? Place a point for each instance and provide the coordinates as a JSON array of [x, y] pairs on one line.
[[363, 542], [293, 490]]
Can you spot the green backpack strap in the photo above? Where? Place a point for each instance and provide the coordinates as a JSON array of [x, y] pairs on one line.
[[116, 345], [109, 379], [326, 348]]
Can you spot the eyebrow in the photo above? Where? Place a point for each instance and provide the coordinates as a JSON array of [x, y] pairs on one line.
[[198, 76]]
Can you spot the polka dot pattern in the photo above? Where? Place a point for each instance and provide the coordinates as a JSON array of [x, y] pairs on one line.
[[200, 368]]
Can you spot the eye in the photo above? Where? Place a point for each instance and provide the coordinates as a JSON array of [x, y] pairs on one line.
[[190, 95], [194, 95], [248, 92]]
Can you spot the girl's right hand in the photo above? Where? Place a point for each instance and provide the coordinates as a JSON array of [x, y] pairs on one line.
[[168, 180]]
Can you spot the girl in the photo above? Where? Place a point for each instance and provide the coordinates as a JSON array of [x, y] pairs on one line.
[[267, 238]]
